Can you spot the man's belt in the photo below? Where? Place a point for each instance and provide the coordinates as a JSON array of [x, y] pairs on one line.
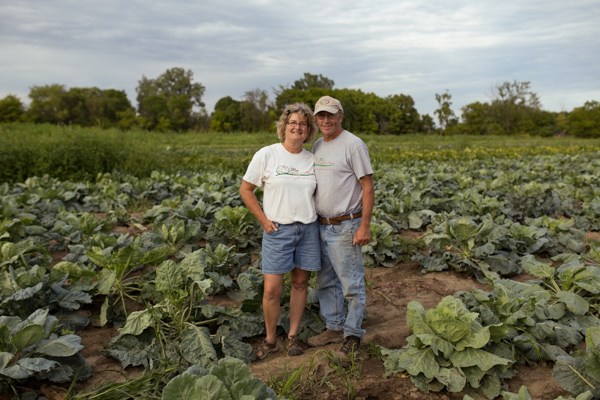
[[337, 220]]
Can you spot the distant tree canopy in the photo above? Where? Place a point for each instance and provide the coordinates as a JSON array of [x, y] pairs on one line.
[[310, 81], [47, 104], [255, 111], [363, 112], [11, 109], [167, 102], [514, 109], [81, 106], [227, 116], [585, 121], [173, 101], [252, 114]]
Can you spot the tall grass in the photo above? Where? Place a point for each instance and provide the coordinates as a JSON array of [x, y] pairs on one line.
[[80, 154]]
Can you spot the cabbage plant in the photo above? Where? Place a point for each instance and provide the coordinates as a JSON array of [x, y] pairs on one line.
[[580, 372], [228, 380], [30, 348], [446, 351]]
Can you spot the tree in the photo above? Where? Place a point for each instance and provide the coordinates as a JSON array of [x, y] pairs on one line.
[[255, 111], [47, 104], [290, 96], [444, 113], [95, 107], [115, 104], [227, 116], [535, 121], [514, 109], [511, 102], [168, 101], [364, 113], [403, 117], [518, 93], [303, 88], [80, 106], [585, 121], [358, 110], [477, 120], [127, 119], [427, 124], [311, 81], [11, 109]]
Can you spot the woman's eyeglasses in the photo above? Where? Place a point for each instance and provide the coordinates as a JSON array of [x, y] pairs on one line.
[[294, 124]]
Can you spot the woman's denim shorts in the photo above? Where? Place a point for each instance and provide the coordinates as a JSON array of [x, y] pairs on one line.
[[295, 245]]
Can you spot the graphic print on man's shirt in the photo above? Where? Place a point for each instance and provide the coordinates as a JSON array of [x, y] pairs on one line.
[[320, 163]]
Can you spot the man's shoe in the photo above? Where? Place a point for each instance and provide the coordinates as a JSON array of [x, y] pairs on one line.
[[351, 344], [326, 337]]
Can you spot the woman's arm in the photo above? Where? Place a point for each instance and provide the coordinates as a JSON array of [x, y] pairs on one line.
[[247, 193]]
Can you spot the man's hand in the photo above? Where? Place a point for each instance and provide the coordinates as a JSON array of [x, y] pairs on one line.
[[362, 236]]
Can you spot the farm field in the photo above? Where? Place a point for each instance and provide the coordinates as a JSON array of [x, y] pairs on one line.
[[117, 272]]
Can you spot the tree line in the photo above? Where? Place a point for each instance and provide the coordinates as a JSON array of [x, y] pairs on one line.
[[173, 102]]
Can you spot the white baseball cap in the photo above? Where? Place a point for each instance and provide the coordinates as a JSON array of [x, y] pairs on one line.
[[328, 104]]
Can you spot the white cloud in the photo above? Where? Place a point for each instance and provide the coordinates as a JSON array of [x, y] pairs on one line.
[[412, 47]]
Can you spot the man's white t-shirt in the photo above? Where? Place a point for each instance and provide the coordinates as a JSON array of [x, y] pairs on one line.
[[339, 164], [289, 183]]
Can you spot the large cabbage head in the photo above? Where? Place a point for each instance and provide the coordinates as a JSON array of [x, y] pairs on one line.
[[450, 320]]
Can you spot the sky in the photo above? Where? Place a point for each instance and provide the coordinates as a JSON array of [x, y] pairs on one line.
[[416, 48]]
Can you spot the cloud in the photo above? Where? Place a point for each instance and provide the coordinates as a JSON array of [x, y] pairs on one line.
[[411, 47]]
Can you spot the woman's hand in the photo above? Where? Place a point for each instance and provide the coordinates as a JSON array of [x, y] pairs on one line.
[[247, 193], [269, 226]]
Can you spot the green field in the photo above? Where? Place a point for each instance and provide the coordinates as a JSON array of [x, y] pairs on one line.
[[75, 153]]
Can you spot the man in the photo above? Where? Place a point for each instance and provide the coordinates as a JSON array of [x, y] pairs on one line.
[[344, 202]]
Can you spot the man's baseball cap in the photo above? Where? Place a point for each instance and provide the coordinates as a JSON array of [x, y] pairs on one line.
[[329, 104]]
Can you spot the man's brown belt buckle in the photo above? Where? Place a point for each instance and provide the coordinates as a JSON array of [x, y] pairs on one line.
[[337, 220]]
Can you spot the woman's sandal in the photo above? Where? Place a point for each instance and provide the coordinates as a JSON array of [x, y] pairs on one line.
[[265, 349], [294, 348]]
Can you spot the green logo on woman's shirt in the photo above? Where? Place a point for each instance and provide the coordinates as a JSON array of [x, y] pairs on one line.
[[283, 170]]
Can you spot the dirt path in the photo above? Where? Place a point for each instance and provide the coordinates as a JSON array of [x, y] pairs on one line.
[[391, 290]]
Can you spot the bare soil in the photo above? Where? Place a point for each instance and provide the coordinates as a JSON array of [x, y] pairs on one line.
[[391, 291], [593, 236]]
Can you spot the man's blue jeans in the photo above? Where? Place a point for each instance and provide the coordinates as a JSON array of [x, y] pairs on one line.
[[342, 277]]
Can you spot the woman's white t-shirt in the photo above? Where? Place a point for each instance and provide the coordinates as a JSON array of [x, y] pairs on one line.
[[289, 183]]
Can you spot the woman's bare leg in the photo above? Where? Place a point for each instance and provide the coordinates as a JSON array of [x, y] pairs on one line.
[[298, 298], [272, 303]]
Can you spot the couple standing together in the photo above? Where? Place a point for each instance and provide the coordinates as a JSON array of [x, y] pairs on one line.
[[316, 215]]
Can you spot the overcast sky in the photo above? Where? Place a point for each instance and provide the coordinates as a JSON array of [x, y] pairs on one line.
[[418, 48]]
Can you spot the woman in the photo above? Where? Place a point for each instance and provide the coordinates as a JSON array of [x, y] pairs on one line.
[[288, 217]]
